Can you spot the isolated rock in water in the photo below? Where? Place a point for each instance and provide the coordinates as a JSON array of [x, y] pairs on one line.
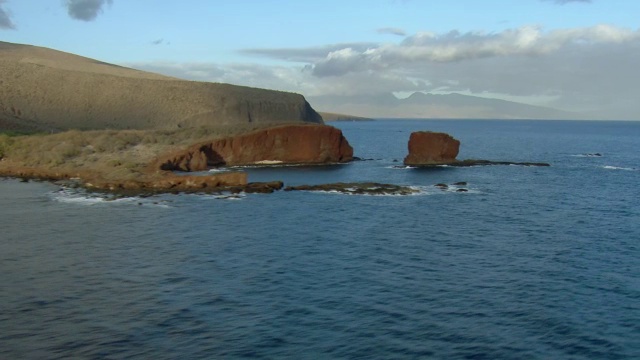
[[431, 148], [288, 144]]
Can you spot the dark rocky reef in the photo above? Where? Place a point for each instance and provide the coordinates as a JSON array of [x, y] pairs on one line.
[[367, 188], [288, 144]]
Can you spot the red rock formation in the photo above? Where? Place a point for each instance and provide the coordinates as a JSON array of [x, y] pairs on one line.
[[288, 144], [431, 148]]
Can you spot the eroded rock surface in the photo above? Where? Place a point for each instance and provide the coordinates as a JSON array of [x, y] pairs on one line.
[[431, 148], [288, 144]]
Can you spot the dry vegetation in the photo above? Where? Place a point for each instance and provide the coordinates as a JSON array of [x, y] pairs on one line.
[[113, 154], [147, 115]]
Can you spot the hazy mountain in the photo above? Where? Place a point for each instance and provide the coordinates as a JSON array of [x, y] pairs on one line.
[[420, 105]]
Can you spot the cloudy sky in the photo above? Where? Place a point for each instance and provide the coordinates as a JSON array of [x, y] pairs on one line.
[[578, 55]]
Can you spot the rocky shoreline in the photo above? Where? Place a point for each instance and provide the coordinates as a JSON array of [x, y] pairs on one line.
[[275, 146]]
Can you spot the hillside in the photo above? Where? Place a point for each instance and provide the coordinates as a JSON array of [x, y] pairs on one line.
[[449, 106], [48, 90]]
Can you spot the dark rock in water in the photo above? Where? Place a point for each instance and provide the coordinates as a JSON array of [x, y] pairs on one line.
[[258, 187], [462, 190], [395, 160], [473, 162], [431, 148], [460, 183], [357, 188], [442, 186]]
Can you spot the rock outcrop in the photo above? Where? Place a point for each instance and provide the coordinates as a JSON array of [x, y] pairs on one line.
[[431, 148], [288, 144], [357, 188], [145, 184]]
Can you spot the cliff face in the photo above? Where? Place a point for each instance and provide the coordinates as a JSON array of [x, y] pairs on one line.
[[50, 90], [290, 144], [431, 148]]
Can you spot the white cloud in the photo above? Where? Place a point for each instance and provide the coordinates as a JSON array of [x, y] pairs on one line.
[[593, 68]]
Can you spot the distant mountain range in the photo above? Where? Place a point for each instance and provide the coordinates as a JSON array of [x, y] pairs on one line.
[[449, 106]]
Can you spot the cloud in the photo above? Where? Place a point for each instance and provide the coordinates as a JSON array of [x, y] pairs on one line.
[[454, 46], [5, 18], [392, 31], [160, 41], [582, 68], [85, 10], [306, 55]]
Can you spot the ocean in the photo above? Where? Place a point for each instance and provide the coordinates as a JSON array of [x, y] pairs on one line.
[[529, 263]]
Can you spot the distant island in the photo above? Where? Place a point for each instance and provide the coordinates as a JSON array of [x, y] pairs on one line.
[[437, 106]]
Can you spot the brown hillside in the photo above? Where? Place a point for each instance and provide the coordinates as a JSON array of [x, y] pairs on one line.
[[44, 89]]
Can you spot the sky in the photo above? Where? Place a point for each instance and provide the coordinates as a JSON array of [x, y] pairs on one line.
[[577, 55]]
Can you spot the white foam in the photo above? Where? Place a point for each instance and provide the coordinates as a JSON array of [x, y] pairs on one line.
[[588, 155], [218, 170], [608, 167], [76, 199], [224, 196], [268, 162], [80, 197], [400, 167]]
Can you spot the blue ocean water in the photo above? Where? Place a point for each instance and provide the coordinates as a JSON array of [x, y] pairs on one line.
[[531, 262]]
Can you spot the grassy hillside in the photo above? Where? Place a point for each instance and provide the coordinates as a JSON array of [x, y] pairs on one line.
[[48, 90]]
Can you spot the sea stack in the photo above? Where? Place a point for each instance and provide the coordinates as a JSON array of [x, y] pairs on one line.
[[431, 148], [287, 144]]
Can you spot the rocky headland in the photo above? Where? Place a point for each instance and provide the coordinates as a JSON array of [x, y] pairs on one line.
[[111, 128], [432, 149]]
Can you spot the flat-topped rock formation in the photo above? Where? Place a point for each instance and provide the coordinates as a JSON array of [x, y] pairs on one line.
[[288, 144], [48, 90], [431, 148]]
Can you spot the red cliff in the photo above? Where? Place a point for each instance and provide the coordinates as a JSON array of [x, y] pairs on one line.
[[288, 144], [431, 148]]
